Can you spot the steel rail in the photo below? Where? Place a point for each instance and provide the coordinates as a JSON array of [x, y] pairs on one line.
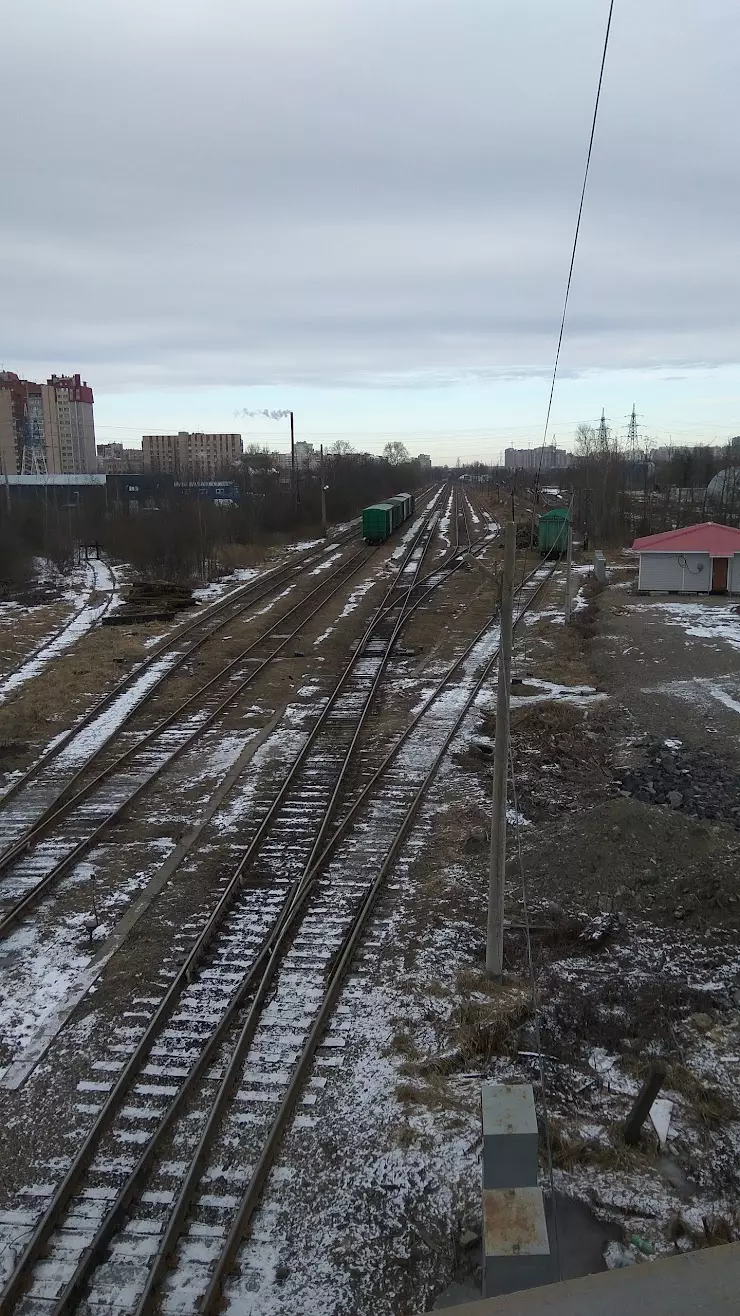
[[53, 814], [70, 1296], [253, 1191], [52, 639], [276, 577], [71, 1293], [12, 916], [65, 1190], [63, 802], [268, 957]]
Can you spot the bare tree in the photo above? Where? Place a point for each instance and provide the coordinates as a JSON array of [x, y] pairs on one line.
[[341, 448], [585, 443], [396, 453]]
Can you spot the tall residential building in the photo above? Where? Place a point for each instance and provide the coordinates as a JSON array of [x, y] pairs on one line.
[[68, 426], [12, 403], [114, 459], [549, 458], [46, 428], [204, 456]]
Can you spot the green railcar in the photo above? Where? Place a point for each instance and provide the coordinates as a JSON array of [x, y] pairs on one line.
[[380, 520], [552, 532], [377, 523]]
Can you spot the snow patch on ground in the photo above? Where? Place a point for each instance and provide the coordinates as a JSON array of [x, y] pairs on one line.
[[701, 691], [328, 562], [323, 636], [107, 721], [703, 621], [550, 690], [357, 596], [217, 588], [41, 962], [94, 578]]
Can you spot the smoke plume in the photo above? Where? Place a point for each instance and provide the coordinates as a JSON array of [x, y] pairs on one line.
[[271, 415]]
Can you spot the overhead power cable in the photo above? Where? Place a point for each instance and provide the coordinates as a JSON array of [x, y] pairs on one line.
[[575, 242]]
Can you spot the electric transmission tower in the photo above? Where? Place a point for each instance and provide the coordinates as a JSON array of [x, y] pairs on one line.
[[33, 461], [632, 435], [603, 433]]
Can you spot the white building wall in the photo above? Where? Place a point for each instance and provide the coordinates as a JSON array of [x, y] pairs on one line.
[[733, 575], [689, 573]]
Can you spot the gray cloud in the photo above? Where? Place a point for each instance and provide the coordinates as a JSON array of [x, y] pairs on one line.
[[241, 193]]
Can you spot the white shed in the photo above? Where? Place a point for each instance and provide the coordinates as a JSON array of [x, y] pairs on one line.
[[698, 559]]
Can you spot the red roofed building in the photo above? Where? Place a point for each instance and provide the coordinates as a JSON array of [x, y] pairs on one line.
[[698, 559]]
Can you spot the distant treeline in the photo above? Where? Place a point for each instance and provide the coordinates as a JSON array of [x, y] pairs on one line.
[[618, 494], [186, 536]]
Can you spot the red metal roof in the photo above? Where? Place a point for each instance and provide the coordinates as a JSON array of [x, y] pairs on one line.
[[709, 537]]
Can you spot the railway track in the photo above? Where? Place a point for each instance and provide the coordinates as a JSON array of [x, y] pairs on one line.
[[170, 654], [71, 625], [58, 822], [157, 1201]]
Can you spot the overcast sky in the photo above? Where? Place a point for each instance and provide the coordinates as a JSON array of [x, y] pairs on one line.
[[364, 209]]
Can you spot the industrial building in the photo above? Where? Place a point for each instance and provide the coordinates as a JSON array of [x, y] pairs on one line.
[[202, 455], [46, 428], [698, 559]]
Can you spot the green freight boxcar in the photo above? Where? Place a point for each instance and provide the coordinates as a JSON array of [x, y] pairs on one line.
[[377, 522], [552, 532], [380, 520]]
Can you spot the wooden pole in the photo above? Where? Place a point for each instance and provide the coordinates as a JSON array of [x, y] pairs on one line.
[[641, 1108], [324, 528], [568, 571], [495, 928]]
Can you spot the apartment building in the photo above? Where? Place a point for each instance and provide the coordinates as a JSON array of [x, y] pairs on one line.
[[114, 459], [549, 458], [46, 428], [11, 424], [204, 456]]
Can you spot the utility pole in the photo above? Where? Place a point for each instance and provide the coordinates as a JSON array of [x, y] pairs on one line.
[[324, 529], [293, 484], [568, 564], [495, 929]]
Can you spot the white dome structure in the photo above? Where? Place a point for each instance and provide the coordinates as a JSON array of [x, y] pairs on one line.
[[724, 487]]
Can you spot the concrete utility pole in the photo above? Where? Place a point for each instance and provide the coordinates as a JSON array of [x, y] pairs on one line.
[[495, 929], [293, 485], [324, 528], [568, 564]]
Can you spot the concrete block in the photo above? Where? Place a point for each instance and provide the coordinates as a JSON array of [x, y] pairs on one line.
[[509, 1135], [516, 1248]]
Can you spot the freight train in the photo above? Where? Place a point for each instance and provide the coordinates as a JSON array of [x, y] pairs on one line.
[[380, 520]]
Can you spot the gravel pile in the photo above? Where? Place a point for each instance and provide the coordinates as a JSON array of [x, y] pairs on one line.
[[695, 781]]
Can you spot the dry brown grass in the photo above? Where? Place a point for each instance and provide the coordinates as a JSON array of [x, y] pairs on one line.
[[483, 1023], [22, 634], [565, 663], [569, 1149], [713, 1106], [435, 1094], [52, 700], [235, 556]]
